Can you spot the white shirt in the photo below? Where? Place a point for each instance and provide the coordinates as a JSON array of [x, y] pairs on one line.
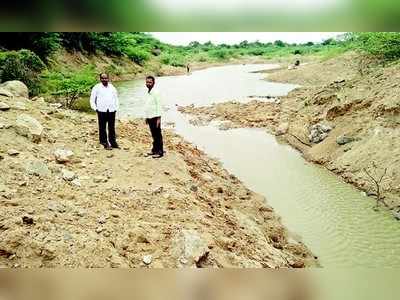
[[104, 98], [153, 104]]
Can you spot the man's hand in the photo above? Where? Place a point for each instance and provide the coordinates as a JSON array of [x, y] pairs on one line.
[[146, 121], [158, 123]]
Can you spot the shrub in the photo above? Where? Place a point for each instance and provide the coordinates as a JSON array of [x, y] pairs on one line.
[[385, 45], [138, 55], [23, 65], [71, 85], [175, 60]]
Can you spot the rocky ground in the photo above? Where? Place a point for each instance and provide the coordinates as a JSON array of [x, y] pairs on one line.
[[66, 202], [345, 116]]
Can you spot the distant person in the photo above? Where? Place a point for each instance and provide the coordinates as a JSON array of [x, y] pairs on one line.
[[104, 100], [153, 117], [297, 63], [188, 68]]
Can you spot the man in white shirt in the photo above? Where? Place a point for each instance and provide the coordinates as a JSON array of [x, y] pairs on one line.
[[153, 118], [104, 100]]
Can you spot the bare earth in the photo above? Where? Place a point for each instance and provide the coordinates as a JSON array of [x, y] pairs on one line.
[[121, 209], [359, 101]]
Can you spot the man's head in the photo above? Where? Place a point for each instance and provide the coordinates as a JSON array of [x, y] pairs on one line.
[[104, 79], [150, 80]]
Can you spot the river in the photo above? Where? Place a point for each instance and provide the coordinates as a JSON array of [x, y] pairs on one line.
[[332, 218]]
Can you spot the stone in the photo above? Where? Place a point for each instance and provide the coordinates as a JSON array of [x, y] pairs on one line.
[[147, 259], [99, 179], [63, 155], [206, 177], [27, 220], [17, 88], [76, 182], [282, 129], [12, 152], [29, 127], [37, 168], [6, 93], [343, 140], [19, 106], [194, 188], [189, 247], [102, 219], [318, 133], [4, 106], [68, 175], [396, 215]]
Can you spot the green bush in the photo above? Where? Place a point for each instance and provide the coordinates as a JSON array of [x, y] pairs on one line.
[[219, 54], [385, 45], [175, 60], [70, 86], [138, 55], [23, 65]]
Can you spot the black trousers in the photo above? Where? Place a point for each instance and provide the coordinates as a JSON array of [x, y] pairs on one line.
[[107, 118], [156, 134]]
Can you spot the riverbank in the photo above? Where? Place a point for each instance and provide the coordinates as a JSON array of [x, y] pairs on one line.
[[66, 202], [345, 116]]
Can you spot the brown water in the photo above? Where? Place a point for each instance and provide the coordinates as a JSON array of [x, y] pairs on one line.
[[333, 218]]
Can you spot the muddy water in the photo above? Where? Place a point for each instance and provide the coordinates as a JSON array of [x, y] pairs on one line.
[[332, 218]]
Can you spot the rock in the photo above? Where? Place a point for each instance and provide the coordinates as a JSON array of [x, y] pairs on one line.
[[38, 168], [27, 220], [68, 175], [396, 215], [282, 129], [102, 219], [13, 152], [3, 188], [318, 133], [99, 179], [17, 88], [206, 177], [225, 125], [19, 106], [76, 182], [189, 247], [343, 139], [63, 155], [4, 107], [194, 188], [6, 93], [29, 127], [147, 259]]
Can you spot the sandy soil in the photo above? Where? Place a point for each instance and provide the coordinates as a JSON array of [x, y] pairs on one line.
[[356, 100], [121, 209]]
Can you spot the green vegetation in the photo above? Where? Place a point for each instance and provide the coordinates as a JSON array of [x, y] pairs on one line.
[[23, 65], [24, 56], [69, 86]]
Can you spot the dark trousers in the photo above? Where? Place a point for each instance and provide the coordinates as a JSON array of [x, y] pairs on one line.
[[156, 134], [104, 119]]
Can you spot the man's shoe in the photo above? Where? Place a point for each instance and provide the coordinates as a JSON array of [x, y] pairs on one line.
[[158, 155], [115, 146], [107, 146]]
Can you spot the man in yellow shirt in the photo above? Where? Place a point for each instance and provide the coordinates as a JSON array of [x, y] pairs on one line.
[[153, 117]]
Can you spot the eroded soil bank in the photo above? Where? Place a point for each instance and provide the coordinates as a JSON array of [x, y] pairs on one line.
[[345, 116]]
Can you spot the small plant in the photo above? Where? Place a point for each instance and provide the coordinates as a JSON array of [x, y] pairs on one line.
[[377, 178]]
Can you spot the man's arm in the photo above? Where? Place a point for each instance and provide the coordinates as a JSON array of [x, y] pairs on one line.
[[93, 96]]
